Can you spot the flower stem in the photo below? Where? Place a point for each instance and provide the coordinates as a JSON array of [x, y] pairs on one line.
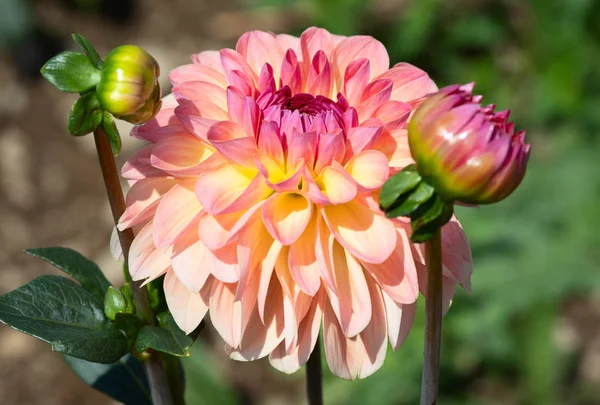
[[314, 378], [433, 320], [159, 388]]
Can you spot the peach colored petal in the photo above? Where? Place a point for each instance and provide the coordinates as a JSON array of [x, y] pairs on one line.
[[286, 216], [224, 263], [142, 199], [289, 361], [352, 303], [202, 92], [163, 124], [212, 59], [197, 73], [362, 355], [302, 260], [369, 168], [180, 155], [289, 42], [370, 237], [394, 145], [269, 142], [231, 141], [302, 146], [410, 83], [393, 114], [189, 113], [145, 260], [400, 318], [456, 254], [138, 166], [191, 259], [187, 307], [216, 231], [177, 211], [260, 339], [336, 184], [397, 275]]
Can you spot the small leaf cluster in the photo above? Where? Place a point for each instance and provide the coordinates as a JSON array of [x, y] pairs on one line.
[[93, 324], [406, 194], [75, 72]]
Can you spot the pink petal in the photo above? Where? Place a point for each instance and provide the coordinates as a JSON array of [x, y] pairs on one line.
[[187, 307], [356, 47], [142, 199], [258, 48], [286, 216], [145, 260], [291, 72], [456, 254], [394, 145], [376, 93], [269, 142], [302, 146], [369, 168], [176, 213], [320, 79], [360, 138], [289, 42], [410, 83], [163, 124], [370, 237], [180, 154], [330, 148], [197, 73], [356, 78], [400, 318], [303, 263], [197, 115], [312, 41], [232, 60], [393, 114], [397, 275]]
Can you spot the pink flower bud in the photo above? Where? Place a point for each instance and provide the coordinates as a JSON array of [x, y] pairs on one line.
[[468, 152]]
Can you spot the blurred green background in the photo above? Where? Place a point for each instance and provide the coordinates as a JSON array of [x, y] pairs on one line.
[[530, 331]]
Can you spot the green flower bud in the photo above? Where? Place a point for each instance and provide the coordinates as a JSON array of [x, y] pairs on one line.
[[128, 87], [117, 302]]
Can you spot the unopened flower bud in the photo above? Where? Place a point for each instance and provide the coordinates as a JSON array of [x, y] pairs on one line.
[[128, 87], [466, 151], [115, 302]]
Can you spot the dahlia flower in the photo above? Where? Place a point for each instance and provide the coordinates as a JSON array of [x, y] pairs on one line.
[[257, 198], [469, 153]]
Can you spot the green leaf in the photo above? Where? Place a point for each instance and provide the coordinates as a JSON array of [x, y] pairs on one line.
[[166, 338], [398, 185], [418, 196], [130, 325], [89, 50], [429, 218], [109, 127], [124, 380], [64, 314], [77, 266], [85, 116], [72, 72]]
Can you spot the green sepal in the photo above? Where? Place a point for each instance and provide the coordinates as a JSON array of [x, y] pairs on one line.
[[125, 289], [130, 325], [61, 312], [123, 380], [167, 337], [398, 185], [89, 50], [72, 72], [85, 116], [111, 131], [411, 201], [429, 218], [114, 303], [77, 266]]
